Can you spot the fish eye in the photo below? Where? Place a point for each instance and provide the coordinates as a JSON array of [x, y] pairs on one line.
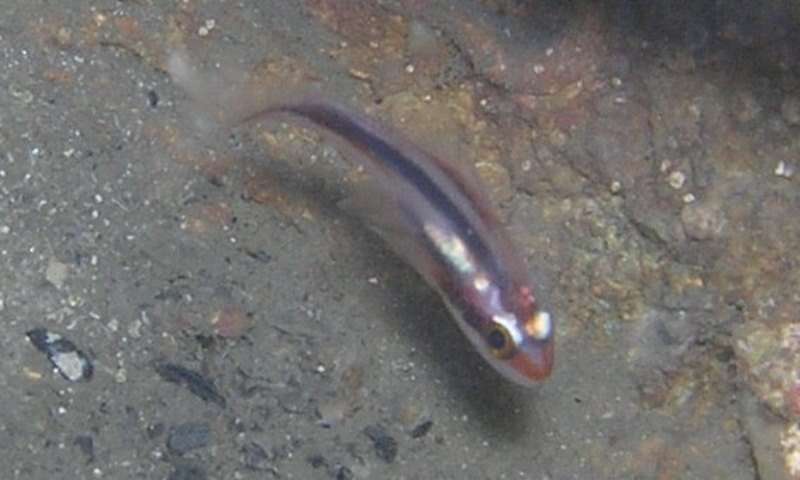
[[500, 341]]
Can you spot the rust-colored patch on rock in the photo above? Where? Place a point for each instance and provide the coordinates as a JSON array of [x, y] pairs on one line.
[[373, 40], [551, 82], [202, 218], [230, 321]]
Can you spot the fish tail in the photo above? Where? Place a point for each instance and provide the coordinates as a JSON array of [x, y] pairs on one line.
[[225, 98]]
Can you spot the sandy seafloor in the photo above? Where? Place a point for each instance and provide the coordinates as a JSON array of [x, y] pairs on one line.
[[643, 155]]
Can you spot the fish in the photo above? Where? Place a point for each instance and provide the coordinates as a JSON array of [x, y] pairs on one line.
[[434, 216]]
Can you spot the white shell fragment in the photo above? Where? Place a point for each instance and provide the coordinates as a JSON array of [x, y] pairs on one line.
[[70, 362], [784, 170]]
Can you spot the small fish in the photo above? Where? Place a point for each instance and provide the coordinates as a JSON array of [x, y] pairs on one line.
[[432, 215]]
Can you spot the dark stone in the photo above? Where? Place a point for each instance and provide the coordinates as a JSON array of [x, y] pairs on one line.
[[255, 457], [188, 436], [344, 473], [194, 381], [188, 472], [85, 444], [385, 445], [259, 255], [154, 431], [316, 460], [152, 98], [422, 429]]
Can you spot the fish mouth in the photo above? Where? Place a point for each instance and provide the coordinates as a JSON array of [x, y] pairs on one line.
[[532, 363]]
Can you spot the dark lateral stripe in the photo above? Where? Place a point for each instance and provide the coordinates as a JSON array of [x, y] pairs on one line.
[[361, 137]]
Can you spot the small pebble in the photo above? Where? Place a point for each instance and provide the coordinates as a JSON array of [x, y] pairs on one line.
[[68, 360], [206, 28], [702, 222], [677, 179], [56, 273]]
